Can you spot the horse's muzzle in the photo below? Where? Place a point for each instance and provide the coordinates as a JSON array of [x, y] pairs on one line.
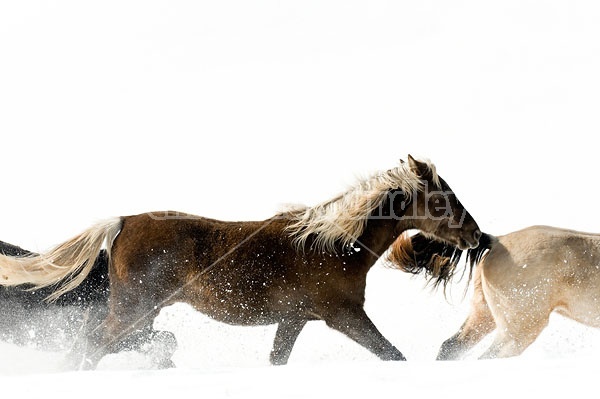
[[470, 242]]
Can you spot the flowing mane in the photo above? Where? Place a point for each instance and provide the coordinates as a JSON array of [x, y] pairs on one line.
[[419, 253], [342, 220]]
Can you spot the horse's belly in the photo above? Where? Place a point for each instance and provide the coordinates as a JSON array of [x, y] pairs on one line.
[[227, 307], [237, 314], [245, 296], [584, 310]]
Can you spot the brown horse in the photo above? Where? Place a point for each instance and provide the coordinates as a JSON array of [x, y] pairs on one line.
[[520, 279], [301, 265]]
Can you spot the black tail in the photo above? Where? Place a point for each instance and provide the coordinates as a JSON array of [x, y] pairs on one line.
[[475, 255]]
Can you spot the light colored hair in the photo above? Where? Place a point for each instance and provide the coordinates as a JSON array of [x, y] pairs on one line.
[[67, 264], [343, 219]]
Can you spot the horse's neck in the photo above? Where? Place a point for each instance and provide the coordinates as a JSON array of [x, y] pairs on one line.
[[377, 237], [381, 230]]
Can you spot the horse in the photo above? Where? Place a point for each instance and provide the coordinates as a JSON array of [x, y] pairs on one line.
[[27, 319], [302, 264], [520, 278]]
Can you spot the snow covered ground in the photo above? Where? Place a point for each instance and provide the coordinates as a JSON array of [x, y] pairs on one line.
[[126, 106], [217, 360]]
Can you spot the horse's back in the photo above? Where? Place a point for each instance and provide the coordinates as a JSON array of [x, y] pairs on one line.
[[541, 248], [226, 270], [546, 266], [171, 235]]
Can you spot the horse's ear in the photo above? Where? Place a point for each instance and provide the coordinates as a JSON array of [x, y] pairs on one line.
[[419, 168]]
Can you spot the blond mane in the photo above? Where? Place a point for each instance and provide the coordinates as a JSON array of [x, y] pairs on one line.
[[343, 219]]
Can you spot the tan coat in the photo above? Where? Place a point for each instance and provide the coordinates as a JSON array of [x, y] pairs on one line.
[[524, 277]]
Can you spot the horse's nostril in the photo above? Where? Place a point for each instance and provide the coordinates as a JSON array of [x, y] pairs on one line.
[[477, 234]]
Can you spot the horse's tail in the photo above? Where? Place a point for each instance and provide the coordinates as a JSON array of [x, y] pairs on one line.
[[475, 255], [68, 264]]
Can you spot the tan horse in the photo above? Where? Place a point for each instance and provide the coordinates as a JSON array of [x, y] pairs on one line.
[[522, 278]]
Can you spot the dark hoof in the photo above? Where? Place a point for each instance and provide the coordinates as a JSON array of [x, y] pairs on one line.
[[165, 364], [278, 362], [449, 351], [395, 356], [77, 361]]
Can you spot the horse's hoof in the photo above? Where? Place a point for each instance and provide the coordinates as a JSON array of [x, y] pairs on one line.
[[395, 356], [78, 362], [160, 348], [165, 364]]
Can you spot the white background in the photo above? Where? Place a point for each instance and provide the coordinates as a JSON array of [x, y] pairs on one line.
[[229, 109]]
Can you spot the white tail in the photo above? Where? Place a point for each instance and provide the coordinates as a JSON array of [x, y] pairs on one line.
[[68, 263]]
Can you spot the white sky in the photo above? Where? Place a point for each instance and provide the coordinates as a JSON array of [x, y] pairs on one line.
[[228, 109]]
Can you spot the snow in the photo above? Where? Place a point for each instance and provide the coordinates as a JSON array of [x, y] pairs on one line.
[[492, 379], [228, 361], [229, 109]]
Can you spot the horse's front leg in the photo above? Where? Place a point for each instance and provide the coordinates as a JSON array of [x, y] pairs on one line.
[[352, 321], [285, 338]]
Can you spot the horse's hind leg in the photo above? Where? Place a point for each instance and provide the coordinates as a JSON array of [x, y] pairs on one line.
[[158, 346], [478, 324], [130, 328], [285, 338], [515, 334], [92, 320]]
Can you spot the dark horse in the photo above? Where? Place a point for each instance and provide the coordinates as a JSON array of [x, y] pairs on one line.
[[300, 265], [26, 318]]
